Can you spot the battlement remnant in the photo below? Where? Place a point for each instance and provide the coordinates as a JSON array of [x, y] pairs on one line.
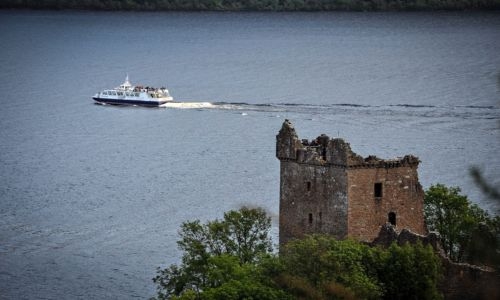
[[326, 151], [327, 188]]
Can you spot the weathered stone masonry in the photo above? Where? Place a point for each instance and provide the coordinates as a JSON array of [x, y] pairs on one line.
[[460, 281], [327, 188]]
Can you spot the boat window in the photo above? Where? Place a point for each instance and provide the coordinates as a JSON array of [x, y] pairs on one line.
[[120, 94], [104, 93], [137, 94]]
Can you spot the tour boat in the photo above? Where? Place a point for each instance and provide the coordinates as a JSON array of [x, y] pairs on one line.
[[126, 94]]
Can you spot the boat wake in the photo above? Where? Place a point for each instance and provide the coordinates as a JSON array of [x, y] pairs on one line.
[[189, 105], [464, 112]]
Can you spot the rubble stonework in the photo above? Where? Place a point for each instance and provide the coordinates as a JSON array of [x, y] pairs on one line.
[[327, 188], [460, 280]]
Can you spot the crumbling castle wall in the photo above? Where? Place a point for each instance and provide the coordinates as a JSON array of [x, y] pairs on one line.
[[327, 188], [313, 200], [399, 199], [460, 281], [313, 195]]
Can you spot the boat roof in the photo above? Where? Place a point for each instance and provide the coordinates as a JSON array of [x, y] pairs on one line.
[[126, 84]]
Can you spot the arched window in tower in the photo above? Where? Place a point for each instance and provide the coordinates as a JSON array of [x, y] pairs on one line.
[[392, 218], [310, 218]]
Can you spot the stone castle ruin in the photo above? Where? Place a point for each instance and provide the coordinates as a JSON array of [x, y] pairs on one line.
[[327, 188]]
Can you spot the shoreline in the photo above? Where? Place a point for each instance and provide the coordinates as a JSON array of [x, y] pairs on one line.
[[254, 6]]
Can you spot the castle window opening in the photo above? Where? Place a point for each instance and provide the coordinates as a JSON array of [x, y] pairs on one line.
[[377, 190], [320, 216], [310, 218], [392, 218], [308, 186]]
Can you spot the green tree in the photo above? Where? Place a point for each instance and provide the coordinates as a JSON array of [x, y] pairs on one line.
[[228, 279], [232, 259], [229, 247], [409, 272], [321, 267], [460, 223], [484, 247]]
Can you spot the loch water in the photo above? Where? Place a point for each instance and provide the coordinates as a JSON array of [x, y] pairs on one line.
[[92, 196]]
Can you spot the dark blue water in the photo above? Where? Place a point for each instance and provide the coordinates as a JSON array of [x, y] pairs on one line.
[[91, 197]]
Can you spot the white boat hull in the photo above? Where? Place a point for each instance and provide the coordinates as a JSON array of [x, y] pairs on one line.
[[156, 102]]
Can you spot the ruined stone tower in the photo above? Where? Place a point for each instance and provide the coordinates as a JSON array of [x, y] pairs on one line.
[[326, 188]]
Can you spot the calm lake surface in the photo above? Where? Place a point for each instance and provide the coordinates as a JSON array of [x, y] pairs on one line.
[[91, 196]]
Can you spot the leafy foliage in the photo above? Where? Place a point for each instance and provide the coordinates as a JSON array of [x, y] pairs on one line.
[[232, 259], [410, 272], [488, 189], [321, 267], [468, 233], [218, 257]]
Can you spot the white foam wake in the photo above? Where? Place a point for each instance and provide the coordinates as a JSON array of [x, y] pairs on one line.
[[188, 105]]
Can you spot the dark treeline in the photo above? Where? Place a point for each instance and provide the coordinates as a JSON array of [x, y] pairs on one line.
[[255, 5]]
